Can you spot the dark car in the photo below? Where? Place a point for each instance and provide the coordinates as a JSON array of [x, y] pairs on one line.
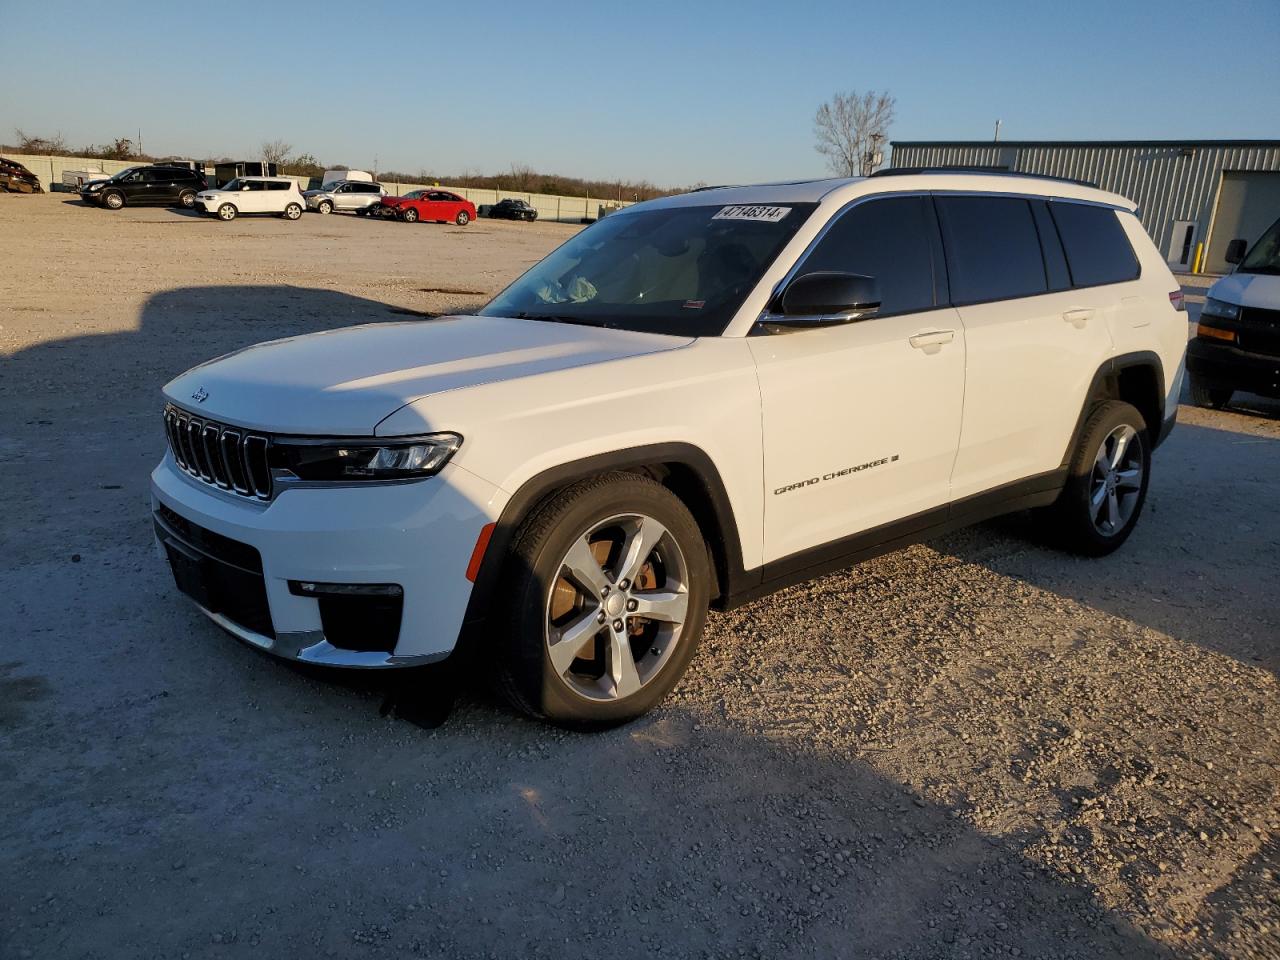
[[511, 209], [15, 178], [156, 185], [1237, 341]]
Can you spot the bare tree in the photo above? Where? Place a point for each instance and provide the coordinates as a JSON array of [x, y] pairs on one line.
[[28, 143], [522, 176], [276, 151], [849, 129]]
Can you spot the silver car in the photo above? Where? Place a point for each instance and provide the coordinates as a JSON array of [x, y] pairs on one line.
[[354, 196]]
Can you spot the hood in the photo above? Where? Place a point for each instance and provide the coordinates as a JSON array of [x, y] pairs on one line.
[[344, 382], [1249, 290]]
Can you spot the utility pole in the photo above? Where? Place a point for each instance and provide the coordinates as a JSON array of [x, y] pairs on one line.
[[997, 137], [139, 141]]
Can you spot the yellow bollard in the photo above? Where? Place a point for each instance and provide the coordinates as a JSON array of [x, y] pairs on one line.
[[1197, 261]]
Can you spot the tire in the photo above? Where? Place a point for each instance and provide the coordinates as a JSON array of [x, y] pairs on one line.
[[462, 219], [227, 212], [113, 200], [1202, 395], [292, 212], [1103, 497], [549, 615], [187, 199], [324, 206], [530, 217], [410, 215]]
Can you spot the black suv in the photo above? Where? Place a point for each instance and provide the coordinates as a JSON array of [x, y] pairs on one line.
[[158, 184]]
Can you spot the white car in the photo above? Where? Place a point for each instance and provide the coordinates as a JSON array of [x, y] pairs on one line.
[[277, 195], [691, 403]]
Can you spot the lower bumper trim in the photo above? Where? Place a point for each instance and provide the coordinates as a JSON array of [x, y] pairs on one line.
[[310, 646]]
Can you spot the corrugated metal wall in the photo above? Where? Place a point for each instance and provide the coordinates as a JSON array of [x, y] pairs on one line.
[[1168, 181]]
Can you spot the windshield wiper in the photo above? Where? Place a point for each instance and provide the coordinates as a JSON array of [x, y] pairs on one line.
[[561, 318]]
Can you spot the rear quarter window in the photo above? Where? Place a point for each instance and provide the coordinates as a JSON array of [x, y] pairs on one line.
[[1097, 249]]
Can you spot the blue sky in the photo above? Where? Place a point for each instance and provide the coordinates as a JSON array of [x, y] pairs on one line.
[[670, 92]]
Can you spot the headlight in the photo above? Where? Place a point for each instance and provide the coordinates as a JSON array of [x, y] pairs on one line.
[[346, 461], [1220, 308]]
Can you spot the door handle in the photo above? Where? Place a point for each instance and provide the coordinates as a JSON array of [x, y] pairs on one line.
[[1077, 318], [931, 341]]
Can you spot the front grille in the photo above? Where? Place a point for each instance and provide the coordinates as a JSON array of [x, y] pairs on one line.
[[1260, 330], [220, 455]]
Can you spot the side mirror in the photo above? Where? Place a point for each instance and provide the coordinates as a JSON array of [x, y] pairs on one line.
[[1236, 250], [813, 299]]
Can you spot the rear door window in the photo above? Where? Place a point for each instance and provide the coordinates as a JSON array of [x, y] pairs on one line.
[[888, 239], [993, 249], [1097, 249]]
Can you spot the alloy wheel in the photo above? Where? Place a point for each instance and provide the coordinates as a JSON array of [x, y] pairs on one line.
[[617, 607], [1116, 481]]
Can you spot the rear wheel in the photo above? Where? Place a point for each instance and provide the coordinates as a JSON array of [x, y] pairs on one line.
[[324, 206], [187, 199], [113, 200], [606, 590], [1106, 484], [227, 212], [462, 219], [410, 215], [292, 212], [1203, 395]]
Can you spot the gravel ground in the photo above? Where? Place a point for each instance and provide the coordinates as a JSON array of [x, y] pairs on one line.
[[971, 748]]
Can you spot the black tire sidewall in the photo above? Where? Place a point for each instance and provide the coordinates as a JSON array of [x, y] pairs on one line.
[[531, 567], [1074, 520]]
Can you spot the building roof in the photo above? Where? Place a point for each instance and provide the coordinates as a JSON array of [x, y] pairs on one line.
[[1084, 143]]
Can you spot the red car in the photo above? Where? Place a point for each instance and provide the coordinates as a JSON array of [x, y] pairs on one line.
[[434, 204]]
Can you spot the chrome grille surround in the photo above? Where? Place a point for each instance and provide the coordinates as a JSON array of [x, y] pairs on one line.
[[218, 454]]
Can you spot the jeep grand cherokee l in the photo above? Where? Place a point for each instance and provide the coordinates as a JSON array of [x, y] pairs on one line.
[[690, 403]]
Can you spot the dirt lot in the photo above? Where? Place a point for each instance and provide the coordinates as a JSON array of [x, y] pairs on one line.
[[972, 748]]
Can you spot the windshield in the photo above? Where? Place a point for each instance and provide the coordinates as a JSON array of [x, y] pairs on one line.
[[124, 174], [415, 194], [1265, 255], [674, 270], [235, 184]]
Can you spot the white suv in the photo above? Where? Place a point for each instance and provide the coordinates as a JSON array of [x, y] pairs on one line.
[[356, 196], [693, 402], [277, 195]]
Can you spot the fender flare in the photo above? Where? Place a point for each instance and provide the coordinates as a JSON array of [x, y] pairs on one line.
[[726, 549], [1097, 389]]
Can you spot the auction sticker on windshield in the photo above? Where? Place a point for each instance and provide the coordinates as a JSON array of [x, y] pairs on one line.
[[767, 214]]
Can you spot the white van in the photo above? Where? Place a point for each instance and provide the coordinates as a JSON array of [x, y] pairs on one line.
[[1237, 341]]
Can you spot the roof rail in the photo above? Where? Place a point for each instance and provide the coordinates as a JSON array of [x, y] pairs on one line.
[[981, 171]]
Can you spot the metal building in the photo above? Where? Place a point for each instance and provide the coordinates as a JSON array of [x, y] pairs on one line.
[[1189, 192]]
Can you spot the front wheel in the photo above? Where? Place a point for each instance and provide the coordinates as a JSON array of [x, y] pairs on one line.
[[410, 215], [1203, 395], [226, 212], [1106, 483], [292, 212], [324, 206], [113, 201], [462, 219], [605, 590]]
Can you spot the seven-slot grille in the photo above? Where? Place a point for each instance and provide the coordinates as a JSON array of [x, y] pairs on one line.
[[223, 456]]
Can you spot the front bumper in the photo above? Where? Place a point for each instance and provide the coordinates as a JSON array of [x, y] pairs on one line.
[[1226, 366], [417, 535]]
